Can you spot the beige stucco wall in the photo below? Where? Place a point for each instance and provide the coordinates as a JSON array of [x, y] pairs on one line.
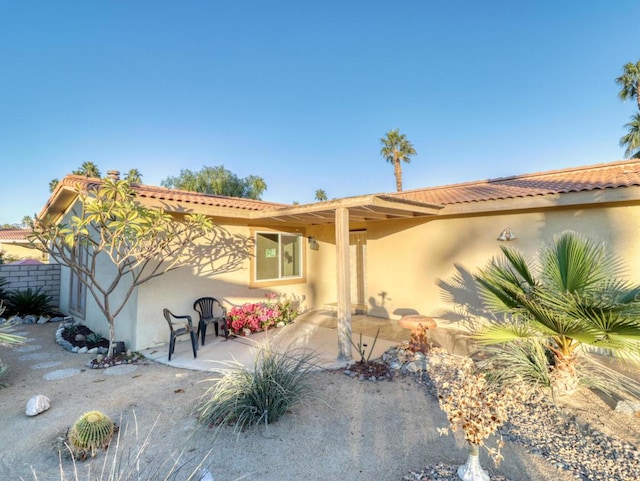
[[177, 290], [408, 262], [405, 265], [16, 251]]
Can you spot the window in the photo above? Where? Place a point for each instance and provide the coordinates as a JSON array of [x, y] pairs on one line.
[[77, 288], [278, 256]]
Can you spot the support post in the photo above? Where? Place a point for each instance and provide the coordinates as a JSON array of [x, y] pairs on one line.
[[344, 284]]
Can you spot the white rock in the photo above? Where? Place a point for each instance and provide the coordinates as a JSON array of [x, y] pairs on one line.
[[30, 319], [37, 404], [82, 350], [628, 407], [43, 320]]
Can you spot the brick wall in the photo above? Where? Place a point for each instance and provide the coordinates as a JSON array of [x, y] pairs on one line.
[[43, 276]]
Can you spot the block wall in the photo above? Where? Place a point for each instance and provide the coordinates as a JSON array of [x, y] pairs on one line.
[[43, 276]]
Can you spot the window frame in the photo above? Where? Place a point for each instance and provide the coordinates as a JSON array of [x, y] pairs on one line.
[[297, 279]]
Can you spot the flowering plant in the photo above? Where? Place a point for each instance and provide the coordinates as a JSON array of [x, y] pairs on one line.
[[277, 310], [469, 402]]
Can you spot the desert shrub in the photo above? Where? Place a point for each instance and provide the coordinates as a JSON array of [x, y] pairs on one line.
[[244, 398], [28, 301], [472, 404]]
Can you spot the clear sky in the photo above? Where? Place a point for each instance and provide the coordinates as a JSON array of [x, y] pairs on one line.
[[300, 92]]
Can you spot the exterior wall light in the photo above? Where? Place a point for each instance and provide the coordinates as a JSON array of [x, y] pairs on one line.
[[313, 243], [506, 235]]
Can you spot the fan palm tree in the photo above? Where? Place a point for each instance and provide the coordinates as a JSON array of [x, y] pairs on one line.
[[397, 149], [631, 140], [629, 82], [133, 176], [321, 195], [572, 296], [88, 169]]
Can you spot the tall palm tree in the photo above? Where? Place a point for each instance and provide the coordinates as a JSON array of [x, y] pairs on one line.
[[53, 183], [570, 297], [88, 169], [321, 195], [396, 149], [631, 140], [133, 176], [629, 82]]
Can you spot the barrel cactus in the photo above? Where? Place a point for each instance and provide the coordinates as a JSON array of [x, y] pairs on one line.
[[93, 431]]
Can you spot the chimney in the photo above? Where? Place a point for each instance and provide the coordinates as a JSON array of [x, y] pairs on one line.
[[113, 174]]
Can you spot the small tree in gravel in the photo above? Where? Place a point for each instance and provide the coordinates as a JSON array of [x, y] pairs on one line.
[[140, 243], [472, 405]]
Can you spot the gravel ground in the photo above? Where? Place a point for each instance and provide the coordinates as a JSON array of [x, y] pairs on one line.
[[568, 437]]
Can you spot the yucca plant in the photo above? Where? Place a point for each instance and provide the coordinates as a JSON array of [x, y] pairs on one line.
[[91, 432], [28, 301], [570, 298], [245, 398]]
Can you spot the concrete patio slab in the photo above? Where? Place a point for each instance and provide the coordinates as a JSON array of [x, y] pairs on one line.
[[217, 351]]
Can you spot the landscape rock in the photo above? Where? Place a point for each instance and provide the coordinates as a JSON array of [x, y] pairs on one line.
[[628, 407], [80, 337], [37, 404], [43, 320], [30, 319]]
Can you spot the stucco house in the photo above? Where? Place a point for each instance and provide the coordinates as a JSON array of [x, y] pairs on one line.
[[385, 254], [15, 245]]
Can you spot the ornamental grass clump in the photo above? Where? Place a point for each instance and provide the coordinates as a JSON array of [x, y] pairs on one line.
[[470, 402], [244, 398]]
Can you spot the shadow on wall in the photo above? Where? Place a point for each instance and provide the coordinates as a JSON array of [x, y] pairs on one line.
[[378, 309], [221, 252], [461, 293]]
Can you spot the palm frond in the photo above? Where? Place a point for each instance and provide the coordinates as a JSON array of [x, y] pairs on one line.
[[497, 334]]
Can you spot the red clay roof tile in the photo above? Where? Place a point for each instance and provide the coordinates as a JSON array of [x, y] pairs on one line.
[[174, 195], [577, 179]]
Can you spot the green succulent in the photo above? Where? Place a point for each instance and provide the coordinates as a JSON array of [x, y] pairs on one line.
[[91, 432], [94, 338]]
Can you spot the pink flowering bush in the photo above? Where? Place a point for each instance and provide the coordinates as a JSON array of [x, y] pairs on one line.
[[277, 310]]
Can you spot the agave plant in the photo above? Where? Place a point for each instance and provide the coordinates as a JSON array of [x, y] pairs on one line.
[[573, 296]]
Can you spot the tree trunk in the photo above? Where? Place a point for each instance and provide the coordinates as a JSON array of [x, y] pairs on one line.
[[398, 171], [471, 470], [564, 379]]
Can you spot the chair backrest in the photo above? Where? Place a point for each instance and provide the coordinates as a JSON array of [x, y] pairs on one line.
[[209, 308], [175, 325]]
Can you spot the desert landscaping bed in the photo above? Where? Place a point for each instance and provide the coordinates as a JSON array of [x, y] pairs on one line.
[[355, 430]]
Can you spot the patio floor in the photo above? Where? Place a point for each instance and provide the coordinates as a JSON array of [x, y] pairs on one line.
[[315, 330]]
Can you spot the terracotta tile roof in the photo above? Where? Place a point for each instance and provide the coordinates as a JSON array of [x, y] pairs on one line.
[[577, 179], [174, 195], [14, 234]]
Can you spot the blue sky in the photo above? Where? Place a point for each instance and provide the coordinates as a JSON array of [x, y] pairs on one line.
[[300, 93]]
